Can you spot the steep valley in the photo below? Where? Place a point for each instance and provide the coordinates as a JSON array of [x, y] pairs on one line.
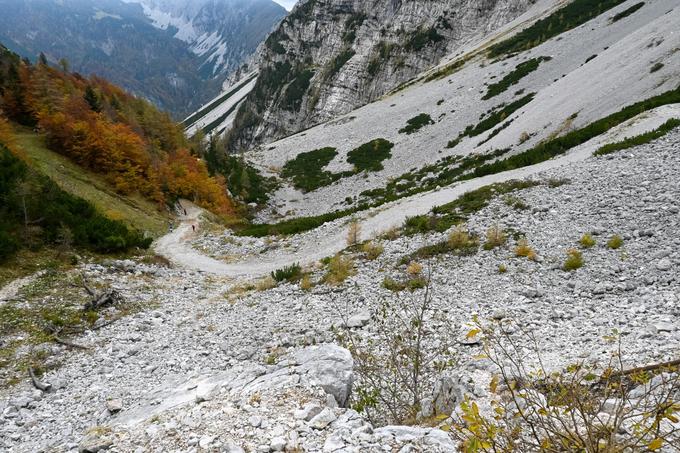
[[473, 249]]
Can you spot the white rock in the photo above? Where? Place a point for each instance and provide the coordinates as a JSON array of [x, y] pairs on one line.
[[278, 444], [323, 419], [114, 405]]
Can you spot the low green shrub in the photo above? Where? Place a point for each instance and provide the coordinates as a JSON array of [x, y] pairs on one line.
[[497, 116], [561, 145], [627, 12], [416, 123], [307, 169], [641, 139], [293, 226], [656, 67], [369, 156], [572, 15], [290, 273], [522, 70]]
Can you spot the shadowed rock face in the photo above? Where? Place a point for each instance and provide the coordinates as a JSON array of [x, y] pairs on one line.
[[329, 57]]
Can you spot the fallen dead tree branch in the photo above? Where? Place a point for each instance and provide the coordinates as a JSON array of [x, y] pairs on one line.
[[644, 369], [70, 343], [44, 386], [99, 300]]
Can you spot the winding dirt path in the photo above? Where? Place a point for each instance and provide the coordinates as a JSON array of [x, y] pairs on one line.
[[175, 246]]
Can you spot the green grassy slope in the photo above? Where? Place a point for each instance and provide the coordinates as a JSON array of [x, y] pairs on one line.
[[135, 211]]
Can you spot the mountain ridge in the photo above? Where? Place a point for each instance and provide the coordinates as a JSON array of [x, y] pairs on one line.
[[118, 41]]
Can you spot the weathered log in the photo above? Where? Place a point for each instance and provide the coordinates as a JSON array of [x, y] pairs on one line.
[[652, 367], [70, 343], [97, 302], [44, 386]]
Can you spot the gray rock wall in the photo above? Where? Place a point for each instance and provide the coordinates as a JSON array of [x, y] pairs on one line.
[[332, 56]]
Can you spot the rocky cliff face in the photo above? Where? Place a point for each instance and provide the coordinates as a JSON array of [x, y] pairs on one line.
[[222, 33], [331, 56]]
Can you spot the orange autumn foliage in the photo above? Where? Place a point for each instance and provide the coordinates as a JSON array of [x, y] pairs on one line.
[[6, 136], [137, 148], [187, 176]]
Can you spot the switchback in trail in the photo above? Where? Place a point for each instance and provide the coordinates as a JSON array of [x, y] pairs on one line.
[[176, 247]]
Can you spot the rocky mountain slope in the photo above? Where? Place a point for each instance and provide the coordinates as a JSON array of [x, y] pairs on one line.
[[211, 367], [223, 33], [524, 189], [176, 55], [579, 77], [329, 57]]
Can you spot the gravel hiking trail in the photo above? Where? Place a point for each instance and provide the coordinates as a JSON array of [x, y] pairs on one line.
[[176, 246]]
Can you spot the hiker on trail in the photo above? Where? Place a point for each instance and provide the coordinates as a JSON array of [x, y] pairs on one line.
[[185, 212], [193, 227]]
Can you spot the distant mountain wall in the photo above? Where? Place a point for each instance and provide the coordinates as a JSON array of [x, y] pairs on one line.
[[176, 55], [329, 57]]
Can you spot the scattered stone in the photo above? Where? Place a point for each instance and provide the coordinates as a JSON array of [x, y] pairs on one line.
[[308, 412], [93, 444], [664, 265], [114, 405], [278, 444], [255, 421], [323, 419], [205, 442], [358, 320]]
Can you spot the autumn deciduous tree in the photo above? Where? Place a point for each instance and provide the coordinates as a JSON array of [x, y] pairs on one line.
[[185, 176], [138, 148]]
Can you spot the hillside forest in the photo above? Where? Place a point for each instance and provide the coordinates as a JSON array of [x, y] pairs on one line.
[[136, 148]]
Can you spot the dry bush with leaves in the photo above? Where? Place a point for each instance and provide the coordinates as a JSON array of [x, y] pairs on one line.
[[587, 407], [340, 268], [372, 251], [395, 369], [523, 249], [353, 233], [495, 237]]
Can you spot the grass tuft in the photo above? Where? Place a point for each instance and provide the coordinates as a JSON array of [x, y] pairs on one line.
[[587, 241], [615, 242], [340, 268], [574, 260]]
